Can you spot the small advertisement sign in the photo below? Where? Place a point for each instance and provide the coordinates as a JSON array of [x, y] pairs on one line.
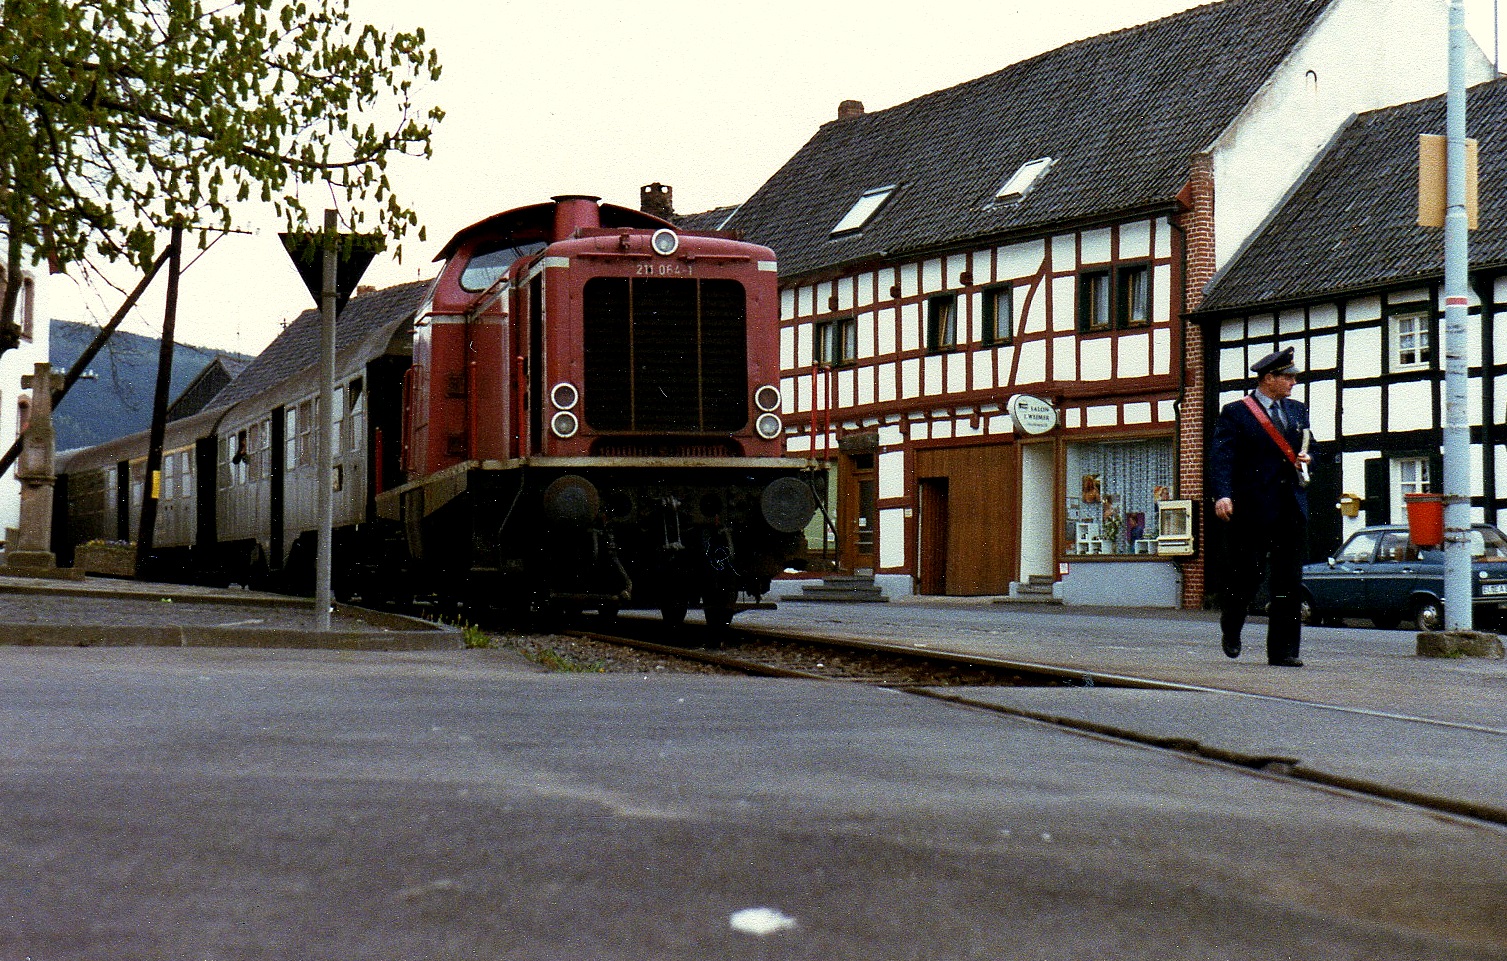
[[1032, 415]]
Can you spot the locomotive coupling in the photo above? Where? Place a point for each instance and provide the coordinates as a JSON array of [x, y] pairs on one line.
[[571, 501]]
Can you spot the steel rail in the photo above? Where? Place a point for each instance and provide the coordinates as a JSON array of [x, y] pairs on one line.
[[1289, 769]]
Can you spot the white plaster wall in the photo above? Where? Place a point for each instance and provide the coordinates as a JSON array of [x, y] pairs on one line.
[[1020, 260], [14, 364], [1366, 54], [892, 537], [1096, 247], [1410, 406], [1038, 549], [1123, 584], [1362, 353], [1362, 411]]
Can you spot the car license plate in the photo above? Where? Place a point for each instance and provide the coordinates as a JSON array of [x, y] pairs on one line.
[[1494, 588]]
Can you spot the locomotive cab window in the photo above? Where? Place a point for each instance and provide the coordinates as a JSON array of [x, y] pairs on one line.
[[490, 261]]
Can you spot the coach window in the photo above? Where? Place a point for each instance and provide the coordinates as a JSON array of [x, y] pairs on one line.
[[290, 437], [339, 408], [259, 441], [238, 457], [356, 416]]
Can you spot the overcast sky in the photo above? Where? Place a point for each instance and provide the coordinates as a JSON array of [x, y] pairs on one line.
[[603, 96]]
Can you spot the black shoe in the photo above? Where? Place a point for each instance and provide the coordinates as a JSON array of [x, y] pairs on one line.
[[1231, 646], [1286, 662]]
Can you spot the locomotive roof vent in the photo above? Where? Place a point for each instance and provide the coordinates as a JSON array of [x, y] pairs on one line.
[[574, 212]]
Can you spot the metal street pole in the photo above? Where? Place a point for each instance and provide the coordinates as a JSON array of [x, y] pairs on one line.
[[1457, 588], [325, 502]]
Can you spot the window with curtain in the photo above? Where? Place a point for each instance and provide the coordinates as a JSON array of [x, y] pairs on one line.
[[1112, 489]]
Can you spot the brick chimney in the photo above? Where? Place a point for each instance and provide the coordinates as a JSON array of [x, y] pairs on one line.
[[849, 109], [657, 199]]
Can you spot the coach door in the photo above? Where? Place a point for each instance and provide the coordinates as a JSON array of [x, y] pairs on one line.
[[275, 489]]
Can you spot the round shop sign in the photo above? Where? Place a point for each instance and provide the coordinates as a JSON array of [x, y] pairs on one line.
[[1032, 414]]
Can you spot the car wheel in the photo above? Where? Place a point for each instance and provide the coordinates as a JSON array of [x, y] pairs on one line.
[[1387, 621], [1307, 613], [1428, 614]]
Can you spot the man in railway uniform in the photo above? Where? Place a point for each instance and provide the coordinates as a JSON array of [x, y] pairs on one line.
[[1258, 474]]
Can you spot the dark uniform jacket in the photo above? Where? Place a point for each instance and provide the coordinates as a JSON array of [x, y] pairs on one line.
[[1247, 466]]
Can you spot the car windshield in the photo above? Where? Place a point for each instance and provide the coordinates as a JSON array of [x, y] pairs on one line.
[[1359, 549], [1487, 544]]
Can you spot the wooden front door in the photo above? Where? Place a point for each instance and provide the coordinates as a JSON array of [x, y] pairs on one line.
[[858, 512], [932, 569], [980, 536]]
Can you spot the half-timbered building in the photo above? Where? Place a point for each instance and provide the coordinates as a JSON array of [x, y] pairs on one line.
[[15, 401], [1343, 273], [984, 289]]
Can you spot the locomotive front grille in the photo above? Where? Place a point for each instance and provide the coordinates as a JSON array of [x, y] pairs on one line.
[[664, 447], [665, 355]]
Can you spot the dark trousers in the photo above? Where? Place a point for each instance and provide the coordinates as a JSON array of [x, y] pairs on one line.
[[1258, 552]]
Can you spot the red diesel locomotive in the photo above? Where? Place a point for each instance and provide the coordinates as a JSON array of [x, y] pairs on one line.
[[592, 420]]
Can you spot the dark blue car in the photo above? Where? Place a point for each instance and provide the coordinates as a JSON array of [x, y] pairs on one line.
[[1381, 574]]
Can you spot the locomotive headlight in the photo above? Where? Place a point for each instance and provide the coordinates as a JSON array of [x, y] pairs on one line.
[[768, 426], [665, 242], [767, 398], [564, 424], [564, 396]]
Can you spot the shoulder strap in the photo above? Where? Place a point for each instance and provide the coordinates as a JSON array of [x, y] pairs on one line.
[[1271, 429]]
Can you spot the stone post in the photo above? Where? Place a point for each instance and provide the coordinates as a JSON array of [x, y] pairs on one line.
[[30, 554]]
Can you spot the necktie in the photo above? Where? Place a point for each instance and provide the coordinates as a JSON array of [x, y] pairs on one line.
[[1277, 416]]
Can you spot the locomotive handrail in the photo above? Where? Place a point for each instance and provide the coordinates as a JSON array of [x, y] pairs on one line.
[[405, 452], [471, 406], [488, 297]]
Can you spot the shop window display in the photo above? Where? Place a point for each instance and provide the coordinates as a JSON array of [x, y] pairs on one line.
[[1112, 493]]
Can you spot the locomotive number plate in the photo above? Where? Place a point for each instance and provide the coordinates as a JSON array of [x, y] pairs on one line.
[[664, 269]]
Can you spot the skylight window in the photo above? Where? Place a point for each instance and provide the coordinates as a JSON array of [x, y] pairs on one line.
[[868, 205], [1024, 179]]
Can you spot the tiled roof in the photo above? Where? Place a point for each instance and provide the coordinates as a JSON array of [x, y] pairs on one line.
[[1352, 223], [296, 349], [1121, 113], [705, 220]]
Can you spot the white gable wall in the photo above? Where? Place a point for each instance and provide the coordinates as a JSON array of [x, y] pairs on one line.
[[14, 364], [1361, 55]]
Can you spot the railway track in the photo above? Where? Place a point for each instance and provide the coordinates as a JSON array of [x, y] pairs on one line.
[[949, 677]]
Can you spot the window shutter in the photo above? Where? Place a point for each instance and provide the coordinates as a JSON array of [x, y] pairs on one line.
[[1378, 503]]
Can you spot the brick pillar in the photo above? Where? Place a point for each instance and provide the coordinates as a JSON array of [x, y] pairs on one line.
[[1197, 224]]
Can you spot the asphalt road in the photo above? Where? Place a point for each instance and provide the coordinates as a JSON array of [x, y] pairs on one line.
[[271, 804]]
